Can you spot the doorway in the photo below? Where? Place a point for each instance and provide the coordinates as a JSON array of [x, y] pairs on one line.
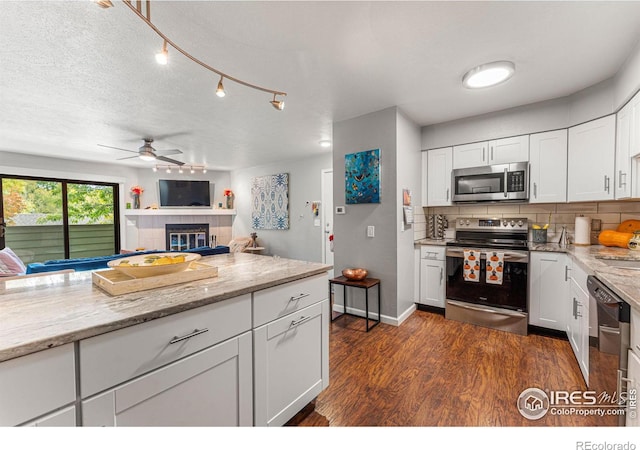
[[326, 186]]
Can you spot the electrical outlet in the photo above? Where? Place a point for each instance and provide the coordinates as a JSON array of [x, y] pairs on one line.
[[596, 224], [340, 210], [371, 231]]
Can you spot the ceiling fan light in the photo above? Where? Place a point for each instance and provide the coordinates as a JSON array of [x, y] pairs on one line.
[[220, 90], [487, 75], [162, 58], [147, 157]]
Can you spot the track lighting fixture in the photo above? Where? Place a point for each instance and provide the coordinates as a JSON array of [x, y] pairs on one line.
[[220, 91], [277, 104], [103, 3], [169, 168], [162, 57]]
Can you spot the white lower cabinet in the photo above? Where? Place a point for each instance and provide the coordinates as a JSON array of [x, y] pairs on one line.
[[548, 289], [432, 276], [210, 388], [291, 363], [633, 388], [66, 417], [34, 388], [578, 325]]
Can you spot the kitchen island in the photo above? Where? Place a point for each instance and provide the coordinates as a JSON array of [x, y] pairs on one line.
[[133, 359]]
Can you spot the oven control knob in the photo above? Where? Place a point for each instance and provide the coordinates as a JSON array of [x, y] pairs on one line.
[[504, 223], [520, 223], [461, 222], [468, 223], [513, 223]]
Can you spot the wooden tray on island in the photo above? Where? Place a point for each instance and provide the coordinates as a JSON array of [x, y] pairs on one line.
[[118, 283]]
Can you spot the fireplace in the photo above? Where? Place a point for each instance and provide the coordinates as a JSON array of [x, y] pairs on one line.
[[184, 236]]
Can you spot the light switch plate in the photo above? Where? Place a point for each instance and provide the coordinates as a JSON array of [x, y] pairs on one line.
[[371, 231]]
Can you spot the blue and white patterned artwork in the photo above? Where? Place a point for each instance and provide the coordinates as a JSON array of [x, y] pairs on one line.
[[270, 202], [362, 177]]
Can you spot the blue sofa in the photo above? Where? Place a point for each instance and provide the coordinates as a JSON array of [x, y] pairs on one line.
[[100, 262]]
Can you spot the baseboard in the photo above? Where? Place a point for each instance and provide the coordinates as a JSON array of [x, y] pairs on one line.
[[395, 321]]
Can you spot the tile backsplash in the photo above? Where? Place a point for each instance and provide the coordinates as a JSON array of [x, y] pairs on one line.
[[610, 214]]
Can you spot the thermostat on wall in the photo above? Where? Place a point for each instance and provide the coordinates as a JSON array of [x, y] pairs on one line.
[[340, 210]]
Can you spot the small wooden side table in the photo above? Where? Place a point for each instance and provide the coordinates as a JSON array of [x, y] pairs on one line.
[[365, 284]]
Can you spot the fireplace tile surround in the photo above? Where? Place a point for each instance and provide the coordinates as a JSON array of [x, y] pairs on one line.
[[149, 231]]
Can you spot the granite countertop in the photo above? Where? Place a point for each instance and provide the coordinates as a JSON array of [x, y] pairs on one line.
[[428, 241], [43, 312]]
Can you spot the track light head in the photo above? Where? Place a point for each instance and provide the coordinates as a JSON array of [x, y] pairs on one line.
[[168, 169], [277, 104], [192, 170], [162, 58], [103, 3], [204, 170], [220, 90]]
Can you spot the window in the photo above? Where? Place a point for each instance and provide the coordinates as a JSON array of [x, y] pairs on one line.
[[55, 219]]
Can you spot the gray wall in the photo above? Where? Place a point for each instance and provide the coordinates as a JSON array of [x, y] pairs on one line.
[[352, 247], [303, 240], [408, 174]]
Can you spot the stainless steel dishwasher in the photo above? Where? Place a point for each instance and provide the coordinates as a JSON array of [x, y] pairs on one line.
[[614, 330]]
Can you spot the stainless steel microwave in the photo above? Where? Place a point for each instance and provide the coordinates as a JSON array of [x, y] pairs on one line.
[[496, 183]]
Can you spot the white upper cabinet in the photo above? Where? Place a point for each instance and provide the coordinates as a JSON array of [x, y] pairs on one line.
[[591, 160], [498, 151], [509, 150], [439, 164], [548, 169], [425, 170], [470, 155], [622, 187]]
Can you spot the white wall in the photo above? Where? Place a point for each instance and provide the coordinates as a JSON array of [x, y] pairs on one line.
[[627, 80], [303, 239]]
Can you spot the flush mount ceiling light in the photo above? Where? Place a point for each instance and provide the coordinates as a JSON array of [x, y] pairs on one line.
[[488, 74], [325, 143], [162, 57]]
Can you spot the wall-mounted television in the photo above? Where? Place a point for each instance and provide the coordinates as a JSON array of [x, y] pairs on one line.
[[184, 194]]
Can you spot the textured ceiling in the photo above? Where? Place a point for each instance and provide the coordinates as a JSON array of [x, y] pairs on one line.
[[73, 75]]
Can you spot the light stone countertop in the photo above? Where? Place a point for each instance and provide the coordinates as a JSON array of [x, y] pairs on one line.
[[43, 312]]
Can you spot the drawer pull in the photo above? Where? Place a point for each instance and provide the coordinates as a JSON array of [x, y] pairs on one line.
[[195, 332], [298, 297], [295, 323]]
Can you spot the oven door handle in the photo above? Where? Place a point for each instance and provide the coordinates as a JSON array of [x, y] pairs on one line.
[[487, 310], [509, 256]]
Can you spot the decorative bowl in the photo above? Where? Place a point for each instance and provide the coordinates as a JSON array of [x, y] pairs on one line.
[[355, 274], [153, 264]]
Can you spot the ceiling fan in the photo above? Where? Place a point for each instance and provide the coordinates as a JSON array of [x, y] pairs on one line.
[[147, 153]]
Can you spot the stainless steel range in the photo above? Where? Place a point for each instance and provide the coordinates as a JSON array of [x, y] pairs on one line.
[[487, 267]]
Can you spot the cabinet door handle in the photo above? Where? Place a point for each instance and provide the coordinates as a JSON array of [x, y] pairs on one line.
[[575, 308], [566, 273], [295, 323], [483, 150], [447, 194], [441, 274], [298, 297], [620, 183], [535, 190], [606, 183], [188, 336], [492, 153], [578, 305], [506, 178]]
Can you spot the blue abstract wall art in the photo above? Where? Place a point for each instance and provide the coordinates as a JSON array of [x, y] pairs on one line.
[[270, 202], [362, 177]]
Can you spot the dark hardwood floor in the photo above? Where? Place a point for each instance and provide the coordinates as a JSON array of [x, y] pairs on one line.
[[436, 372]]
